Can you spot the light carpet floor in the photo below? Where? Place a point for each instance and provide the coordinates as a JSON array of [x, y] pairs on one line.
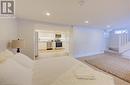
[[111, 63]]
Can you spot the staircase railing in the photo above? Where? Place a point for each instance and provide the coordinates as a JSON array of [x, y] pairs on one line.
[[124, 44], [124, 48]]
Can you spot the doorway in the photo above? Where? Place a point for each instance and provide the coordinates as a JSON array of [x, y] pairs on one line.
[[51, 43]]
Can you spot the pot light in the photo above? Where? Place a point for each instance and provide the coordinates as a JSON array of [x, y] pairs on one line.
[[108, 26], [86, 22], [81, 2], [48, 14]]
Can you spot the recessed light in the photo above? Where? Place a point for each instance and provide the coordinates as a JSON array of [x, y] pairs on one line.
[[86, 22], [48, 14], [108, 26], [81, 2]]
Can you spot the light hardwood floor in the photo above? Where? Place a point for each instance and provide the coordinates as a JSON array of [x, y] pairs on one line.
[[117, 80]]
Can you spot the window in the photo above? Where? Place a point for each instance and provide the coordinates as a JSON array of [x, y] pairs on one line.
[[121, 31]]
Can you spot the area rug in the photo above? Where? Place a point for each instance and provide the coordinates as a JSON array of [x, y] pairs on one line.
[[118, 66]]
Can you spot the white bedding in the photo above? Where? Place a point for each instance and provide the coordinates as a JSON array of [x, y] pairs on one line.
[[49, 71], [62, 71]]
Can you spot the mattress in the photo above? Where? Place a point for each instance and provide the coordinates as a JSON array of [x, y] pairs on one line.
[[62, 71]]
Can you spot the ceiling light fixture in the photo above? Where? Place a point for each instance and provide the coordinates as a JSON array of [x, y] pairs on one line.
[[81, 2], [48, 14], [108, 26], [86, 22]]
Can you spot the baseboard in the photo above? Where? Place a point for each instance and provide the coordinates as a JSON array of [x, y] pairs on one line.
[[88, 54]]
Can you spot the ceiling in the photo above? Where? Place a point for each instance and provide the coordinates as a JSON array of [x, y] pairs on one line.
[[99, 13]]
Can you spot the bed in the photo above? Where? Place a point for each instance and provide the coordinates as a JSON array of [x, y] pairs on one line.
[[50, 71], [63, 70]]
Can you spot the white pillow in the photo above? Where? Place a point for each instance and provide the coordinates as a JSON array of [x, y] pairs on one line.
[[2, 59], [12, 73], [7, 53], [24, 60]]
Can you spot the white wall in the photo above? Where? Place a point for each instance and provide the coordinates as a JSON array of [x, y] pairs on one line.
[[8, 31], [128, 28], [87, 41], [26, 30], [84, 41]]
